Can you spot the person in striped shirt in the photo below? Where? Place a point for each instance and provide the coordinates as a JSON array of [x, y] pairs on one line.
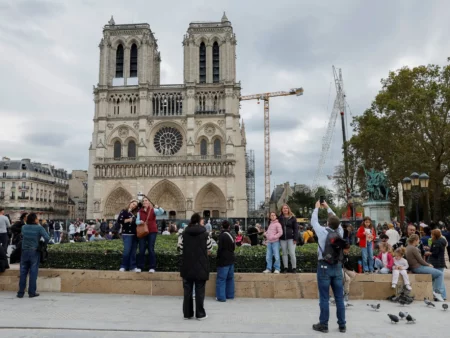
[[195, 247]]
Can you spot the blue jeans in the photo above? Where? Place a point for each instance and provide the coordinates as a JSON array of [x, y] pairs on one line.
[[273, 250], [225, 283], [436, 275], [444, 291], [379, 265], [330, 275], [150, 239], [129, 252], [57, 236], [367, 257], [29, 263]]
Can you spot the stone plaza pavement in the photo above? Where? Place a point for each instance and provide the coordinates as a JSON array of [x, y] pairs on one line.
[[94, 315]]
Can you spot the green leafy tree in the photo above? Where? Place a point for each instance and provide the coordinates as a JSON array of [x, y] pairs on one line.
[[301, 202], [407, 128]]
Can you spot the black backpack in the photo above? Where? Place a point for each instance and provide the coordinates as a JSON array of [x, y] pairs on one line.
[[334, 247], [57, 226]]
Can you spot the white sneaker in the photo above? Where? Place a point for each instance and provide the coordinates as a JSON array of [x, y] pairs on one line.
[[277, 271], [408, 287], [203, 318], [438, 297], [151, 270], [121, 270], [136, 270], [394, 286], [267, 271]]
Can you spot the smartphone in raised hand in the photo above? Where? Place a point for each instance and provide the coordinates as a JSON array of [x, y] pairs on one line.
[[322, 199]]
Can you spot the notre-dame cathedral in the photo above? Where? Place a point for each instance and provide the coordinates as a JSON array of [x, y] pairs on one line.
[[180, 144]]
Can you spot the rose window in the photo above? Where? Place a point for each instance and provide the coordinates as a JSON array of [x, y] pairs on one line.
[[168, 141]]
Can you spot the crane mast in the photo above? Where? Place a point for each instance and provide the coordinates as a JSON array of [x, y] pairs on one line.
[[338, 109], [265, 97]]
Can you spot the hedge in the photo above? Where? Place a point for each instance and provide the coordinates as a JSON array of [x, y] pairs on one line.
[[106, 255]]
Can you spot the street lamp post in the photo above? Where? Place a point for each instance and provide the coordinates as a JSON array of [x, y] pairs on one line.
[[416, 183]]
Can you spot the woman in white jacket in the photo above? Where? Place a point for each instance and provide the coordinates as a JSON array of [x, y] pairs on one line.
[[394, 236]]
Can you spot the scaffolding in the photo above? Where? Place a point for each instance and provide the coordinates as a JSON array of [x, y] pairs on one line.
[[250, 179]]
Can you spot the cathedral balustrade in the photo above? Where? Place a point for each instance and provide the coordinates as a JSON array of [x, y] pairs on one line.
[[176, 166], [166, 158]]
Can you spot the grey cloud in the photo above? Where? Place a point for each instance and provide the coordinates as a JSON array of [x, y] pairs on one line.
[[42, 9], [47, 138]]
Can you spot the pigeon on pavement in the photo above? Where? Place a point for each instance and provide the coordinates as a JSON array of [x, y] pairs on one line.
[[402, 315], [445, 307], [393, 318], [428, 303], [374, 307], [410, 319]]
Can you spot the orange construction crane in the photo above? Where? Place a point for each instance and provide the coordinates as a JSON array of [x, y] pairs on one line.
[[265, 97]]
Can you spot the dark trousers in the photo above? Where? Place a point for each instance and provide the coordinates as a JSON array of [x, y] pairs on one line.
[[147, 241], [4, 241], [29, 263], [188, 302]]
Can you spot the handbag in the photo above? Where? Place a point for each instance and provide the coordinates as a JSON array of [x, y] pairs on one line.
[[142, 229]]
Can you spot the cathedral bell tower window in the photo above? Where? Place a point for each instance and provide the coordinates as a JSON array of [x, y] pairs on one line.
[[203, 148], [133, 61], [132, 149], [202, 63], [117, 150], [119, 61], [216, 63]]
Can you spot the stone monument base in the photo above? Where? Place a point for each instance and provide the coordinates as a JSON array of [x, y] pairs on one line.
[[378, 211]]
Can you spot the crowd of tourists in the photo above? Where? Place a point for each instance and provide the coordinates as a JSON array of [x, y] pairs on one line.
[[402, 250]]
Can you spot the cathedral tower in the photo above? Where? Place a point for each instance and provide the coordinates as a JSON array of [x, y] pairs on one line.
[[182, 144]]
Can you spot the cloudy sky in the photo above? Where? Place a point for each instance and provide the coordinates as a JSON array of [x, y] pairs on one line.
[[49, 63]]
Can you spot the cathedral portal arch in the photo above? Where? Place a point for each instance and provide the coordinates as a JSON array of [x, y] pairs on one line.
[[211, 202], [117, 200], [169, 197]]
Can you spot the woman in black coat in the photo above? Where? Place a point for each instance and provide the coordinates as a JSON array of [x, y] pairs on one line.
[[437, 258], [16, 229], [288, 240], [195, 246]]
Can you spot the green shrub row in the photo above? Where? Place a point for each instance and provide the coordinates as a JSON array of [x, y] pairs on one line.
[[106, 255]]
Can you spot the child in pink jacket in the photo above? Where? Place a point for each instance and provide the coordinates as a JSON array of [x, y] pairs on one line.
[[384, 261], [273, 234]]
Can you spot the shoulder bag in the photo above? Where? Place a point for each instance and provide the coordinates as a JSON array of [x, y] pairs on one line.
[[142, 229]]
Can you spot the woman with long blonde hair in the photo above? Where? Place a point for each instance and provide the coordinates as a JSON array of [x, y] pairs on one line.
[[288, 240]]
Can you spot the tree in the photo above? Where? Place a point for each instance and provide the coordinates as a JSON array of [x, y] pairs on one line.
[[302, 201], [407, 128], [355, 176]]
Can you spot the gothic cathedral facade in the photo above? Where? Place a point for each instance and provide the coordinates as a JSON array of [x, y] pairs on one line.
[[182, 145]]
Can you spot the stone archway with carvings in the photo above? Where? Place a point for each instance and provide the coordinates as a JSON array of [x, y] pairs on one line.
[[116, 201], [211, 198], [169, 197]]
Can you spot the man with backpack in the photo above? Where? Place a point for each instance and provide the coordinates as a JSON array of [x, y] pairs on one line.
[[329, 267], [57, 232]]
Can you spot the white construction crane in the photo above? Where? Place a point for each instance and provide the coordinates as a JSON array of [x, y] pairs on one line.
[[265, 97], [338, 109]]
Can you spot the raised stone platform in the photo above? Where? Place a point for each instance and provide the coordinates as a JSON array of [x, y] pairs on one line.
[[248, 285]]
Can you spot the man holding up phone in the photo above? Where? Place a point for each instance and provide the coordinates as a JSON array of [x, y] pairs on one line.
[[329, 267]]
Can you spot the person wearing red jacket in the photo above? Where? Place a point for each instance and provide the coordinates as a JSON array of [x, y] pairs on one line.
[[366, 234], [148, 214], [384, 261]]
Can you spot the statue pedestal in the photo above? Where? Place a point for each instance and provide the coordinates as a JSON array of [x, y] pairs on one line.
[[378, 211]]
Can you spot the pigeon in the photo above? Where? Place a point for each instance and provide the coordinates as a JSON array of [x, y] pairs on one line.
[[374, 307], [402, 315], [348, 304], [445, 307], [410, 319], [393, 318], [428, 303]]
